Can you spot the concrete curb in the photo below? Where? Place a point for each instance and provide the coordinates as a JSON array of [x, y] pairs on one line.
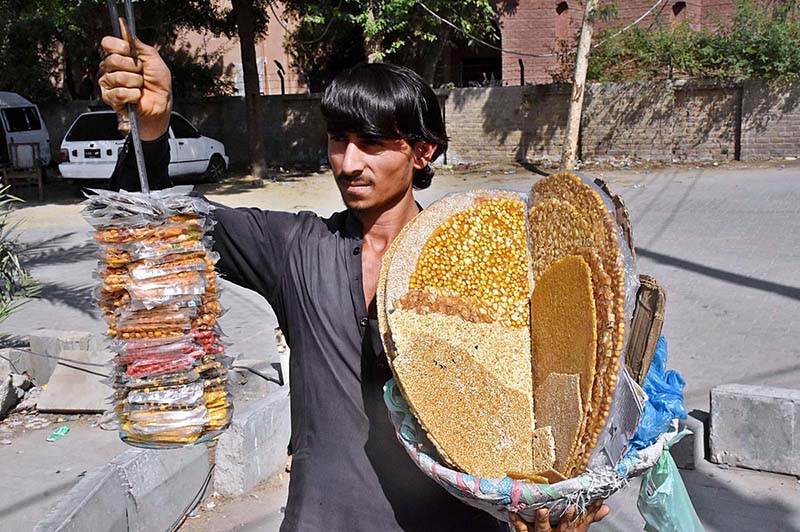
[[254, 447], [150, 490], [139, 490]]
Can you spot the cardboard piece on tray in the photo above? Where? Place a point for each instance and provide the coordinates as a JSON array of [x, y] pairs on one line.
[[621, 215], [648, 319]]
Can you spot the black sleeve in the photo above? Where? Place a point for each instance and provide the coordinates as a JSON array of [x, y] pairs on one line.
[[252, 243], [156, 162], [253, 246]]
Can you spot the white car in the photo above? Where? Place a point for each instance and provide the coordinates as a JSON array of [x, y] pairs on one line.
[[92, 144]]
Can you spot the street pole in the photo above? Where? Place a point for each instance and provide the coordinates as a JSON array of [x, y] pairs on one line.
[[569, 152]]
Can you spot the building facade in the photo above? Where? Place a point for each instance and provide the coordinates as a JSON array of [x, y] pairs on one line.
[[531, 32], [275, 72], [539, 27]]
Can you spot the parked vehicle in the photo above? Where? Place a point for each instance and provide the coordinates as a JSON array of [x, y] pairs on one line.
[[92, 144], [21, 123]]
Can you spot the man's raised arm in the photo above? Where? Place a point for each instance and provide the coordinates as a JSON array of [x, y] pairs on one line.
[[147, 83], [252, 243]]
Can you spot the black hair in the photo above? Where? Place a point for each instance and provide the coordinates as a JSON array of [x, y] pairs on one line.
[[383, 100]]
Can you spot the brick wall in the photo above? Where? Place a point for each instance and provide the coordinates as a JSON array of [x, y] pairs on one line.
[[650, 121], [770, 121], [660, 121], [505, 123], [293, 128], [531, 29]]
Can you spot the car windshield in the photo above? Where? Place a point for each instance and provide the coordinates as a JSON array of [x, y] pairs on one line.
[[100, 126], [22, 119]]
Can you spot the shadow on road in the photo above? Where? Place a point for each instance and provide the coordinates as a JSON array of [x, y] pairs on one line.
[[78, 297], [721, 508], [12, 340], [792, 292], [47, 252]]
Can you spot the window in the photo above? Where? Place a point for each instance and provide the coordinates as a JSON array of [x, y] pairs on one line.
[[182, 129], [562, 21], [95, 126], [22, 119], [678, 11]]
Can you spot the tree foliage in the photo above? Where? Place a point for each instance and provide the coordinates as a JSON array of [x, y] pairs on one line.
[[334, 34], [50, 49], [761, 42]]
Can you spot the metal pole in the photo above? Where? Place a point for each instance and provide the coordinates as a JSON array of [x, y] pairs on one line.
[[134, 123]]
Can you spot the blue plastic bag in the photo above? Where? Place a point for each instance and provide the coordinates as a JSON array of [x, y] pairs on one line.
[[664, 400], [663, 500]]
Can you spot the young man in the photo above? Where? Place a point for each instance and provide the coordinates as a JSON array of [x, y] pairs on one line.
[[385, 127]]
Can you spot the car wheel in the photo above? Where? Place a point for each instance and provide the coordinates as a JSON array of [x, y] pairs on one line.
[[216, 170]]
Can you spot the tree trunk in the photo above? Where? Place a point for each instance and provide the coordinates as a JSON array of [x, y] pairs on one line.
[[244, 15], [431, 60], [373, 46], [69, 78], [569, 153]]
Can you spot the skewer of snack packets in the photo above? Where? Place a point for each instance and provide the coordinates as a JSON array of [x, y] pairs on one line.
[[158, 291]]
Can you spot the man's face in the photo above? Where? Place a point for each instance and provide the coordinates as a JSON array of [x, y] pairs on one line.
[[370, 172]]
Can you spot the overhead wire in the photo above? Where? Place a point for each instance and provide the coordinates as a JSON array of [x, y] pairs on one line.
[[312, 41], [629, 26], [63, 361]]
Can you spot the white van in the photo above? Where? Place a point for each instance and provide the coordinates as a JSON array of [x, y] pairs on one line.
[[92, 144], [21, 123]]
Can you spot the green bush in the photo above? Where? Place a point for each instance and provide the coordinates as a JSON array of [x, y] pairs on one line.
[[16, 283], [761, 42]]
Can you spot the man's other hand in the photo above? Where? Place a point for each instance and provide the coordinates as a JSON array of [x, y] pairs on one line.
[[594, 513], [145, 81]]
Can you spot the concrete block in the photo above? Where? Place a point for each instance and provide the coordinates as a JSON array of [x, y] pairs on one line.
[[756, 427], [254, 447], [8, 395], [15, 360], [161, 484], [97, 503], [53, 342], [74, 391], [5, 366]]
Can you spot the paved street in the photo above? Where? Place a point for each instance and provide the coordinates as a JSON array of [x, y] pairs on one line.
[[724, 241]]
